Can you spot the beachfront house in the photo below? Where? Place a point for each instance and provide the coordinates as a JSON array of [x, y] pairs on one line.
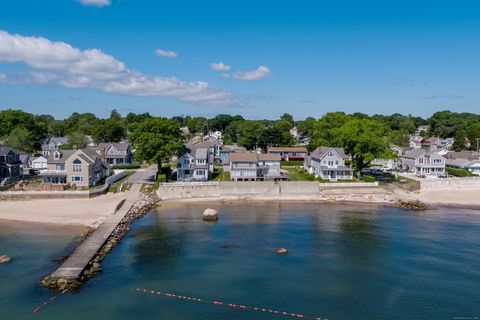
[[251, 166], [467, 160], [290, 153], [329, 164], [196, 162], [82, 168], [115, 153], [10, 166], [423, 163], [52, 144], [227, 150]]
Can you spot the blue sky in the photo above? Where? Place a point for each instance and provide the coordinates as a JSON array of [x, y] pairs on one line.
[[301, 57]]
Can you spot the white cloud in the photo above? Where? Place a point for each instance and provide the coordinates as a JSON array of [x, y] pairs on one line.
[[60, 63], [166, 53], [259, 73], [220, 66], [96, 3]]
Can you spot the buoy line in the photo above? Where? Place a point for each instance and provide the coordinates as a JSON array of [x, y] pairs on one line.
[[53, 298], [230, 305]]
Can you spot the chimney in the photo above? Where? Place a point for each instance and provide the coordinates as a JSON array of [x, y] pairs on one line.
[[102, 153]]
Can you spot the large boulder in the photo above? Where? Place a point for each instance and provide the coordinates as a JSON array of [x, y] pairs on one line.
[[210, 215], [5, 259]]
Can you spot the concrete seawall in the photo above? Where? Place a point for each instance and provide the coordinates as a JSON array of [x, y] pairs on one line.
[[261, 189], [466, 183]]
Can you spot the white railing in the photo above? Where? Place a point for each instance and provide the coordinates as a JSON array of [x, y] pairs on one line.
[[189, 184], [348, 184], [54, 172]]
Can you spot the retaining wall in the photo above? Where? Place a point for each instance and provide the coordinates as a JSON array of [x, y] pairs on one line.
[[299, 187], [249, 188], [467, 183], [183, 190]]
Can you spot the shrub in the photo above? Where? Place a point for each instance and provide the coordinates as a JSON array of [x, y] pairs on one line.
[[368, 179], [292, 163], [459, 172], [126, 166]]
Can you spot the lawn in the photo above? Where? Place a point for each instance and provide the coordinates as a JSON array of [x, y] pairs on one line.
[[219, 175]]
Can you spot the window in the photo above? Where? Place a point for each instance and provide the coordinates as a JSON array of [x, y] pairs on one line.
[[77, 166], [56, 155], [330, 154], [200, 172], [336, 162], [60, 167], [77, 179], [201, 161]]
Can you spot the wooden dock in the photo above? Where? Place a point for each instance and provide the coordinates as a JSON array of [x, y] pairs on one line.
[[73, 267]]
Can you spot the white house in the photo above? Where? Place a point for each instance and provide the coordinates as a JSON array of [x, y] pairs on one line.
[[423, 163], [39, 163], [196, 163], [252, 166], [329, 164]]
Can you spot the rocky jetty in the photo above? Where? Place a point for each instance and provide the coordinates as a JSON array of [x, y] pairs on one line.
[[5, 259], [412, 205], [139, 208], [282, 251], [210, 215]]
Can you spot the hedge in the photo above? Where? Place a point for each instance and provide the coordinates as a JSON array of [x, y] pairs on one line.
[[127, 166], [368, 179], [459, 172], [292, 163]]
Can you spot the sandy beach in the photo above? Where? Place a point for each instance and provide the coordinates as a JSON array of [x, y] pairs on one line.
[[86, 212], [450, 197]]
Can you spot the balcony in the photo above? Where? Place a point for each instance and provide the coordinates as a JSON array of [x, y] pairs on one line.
[[54, 173]]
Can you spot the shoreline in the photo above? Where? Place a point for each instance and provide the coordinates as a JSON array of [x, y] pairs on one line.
[[89, 213]]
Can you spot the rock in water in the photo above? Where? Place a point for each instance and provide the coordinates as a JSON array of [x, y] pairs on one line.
[[5, 259], [282, 251], [210, 215]]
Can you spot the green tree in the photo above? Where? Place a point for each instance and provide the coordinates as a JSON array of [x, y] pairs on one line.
[[325, 130], [364, 140], [157, 140], [249, 133], [289, 118], [77, 139], [306, 127], [459, 141], [399, 138], [21, 139], [197, 125], [109, 130], [473, 133]]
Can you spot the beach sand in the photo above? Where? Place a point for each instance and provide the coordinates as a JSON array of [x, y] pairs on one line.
[[450, 197], [86, 212]]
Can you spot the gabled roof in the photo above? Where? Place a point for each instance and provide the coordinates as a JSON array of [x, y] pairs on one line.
[[243, 157], [64, 154], [320, 152], [201, 153], [470, 155], [269, 157], [118, 145], [6, 150], [415, 153]]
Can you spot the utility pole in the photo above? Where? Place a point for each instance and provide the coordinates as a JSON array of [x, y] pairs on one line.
[[477, 143]]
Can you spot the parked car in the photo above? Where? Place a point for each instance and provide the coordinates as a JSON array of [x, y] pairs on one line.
[[34, 172]]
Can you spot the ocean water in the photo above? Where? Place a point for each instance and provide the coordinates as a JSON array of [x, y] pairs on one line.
[[344, 262]]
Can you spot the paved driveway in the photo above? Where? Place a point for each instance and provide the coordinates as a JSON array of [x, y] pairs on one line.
[[146, 176]]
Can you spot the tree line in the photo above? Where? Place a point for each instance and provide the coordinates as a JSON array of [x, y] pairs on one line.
[[155, 139]]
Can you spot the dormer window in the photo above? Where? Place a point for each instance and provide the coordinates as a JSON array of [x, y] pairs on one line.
[[57, 155]]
